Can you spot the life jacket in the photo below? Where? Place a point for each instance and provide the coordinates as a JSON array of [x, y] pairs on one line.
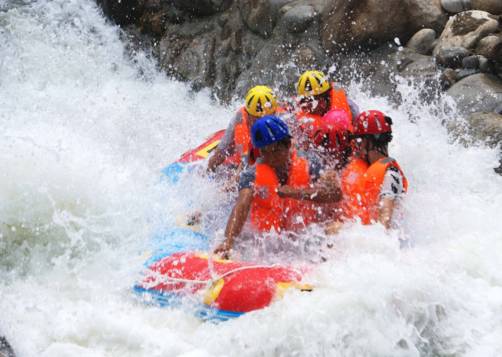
[[242, 140], [309, 123], [271, 212], [361, 186]]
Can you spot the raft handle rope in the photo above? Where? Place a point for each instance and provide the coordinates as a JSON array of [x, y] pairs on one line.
[[159, 278]]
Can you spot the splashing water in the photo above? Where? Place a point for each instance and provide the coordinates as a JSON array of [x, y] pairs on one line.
[[85, 130]]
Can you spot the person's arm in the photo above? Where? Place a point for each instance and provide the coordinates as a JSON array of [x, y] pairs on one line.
[[385, 211], [391, 192], [217, 159], [226, 147], [326, 190], [318, 193], [236, 221]]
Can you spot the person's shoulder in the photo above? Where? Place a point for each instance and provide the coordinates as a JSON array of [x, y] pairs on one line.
[[393, 185], [247, 177]]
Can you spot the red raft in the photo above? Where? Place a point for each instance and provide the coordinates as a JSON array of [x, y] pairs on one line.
[[202, 151], [225, 288]]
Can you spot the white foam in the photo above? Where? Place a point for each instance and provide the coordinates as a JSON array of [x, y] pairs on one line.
[[85, 131]]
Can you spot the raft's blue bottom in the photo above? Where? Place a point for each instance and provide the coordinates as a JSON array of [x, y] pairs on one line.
[[165, 299], [173, 171], [172, 241]]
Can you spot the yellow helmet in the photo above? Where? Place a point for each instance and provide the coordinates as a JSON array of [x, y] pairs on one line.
[[312, 83], [261, 101]]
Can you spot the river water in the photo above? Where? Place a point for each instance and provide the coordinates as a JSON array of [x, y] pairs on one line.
[[85, 130]]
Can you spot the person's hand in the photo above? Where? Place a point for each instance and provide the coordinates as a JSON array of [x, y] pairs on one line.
[[223, 250], [286, 191], [333, 227]]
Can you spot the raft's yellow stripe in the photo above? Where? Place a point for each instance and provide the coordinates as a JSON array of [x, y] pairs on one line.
[[281, 287], [213, 292], [204, 152]]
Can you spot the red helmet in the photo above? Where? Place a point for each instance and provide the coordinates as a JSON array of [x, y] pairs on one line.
[[372, 122], [334, 130]]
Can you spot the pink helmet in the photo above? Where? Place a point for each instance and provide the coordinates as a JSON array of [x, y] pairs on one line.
[[334, 130]]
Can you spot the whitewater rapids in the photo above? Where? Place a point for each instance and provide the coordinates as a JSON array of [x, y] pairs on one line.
[[85, 129]]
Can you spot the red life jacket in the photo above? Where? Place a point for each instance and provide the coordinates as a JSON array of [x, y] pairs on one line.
[[361, 186], [271, 212]]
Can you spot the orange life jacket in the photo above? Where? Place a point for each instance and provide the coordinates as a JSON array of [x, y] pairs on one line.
[[361, 185], [242, 139], [271, 212], [310, 122]]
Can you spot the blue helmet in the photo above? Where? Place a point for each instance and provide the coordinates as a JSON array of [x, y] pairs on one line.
[[268, 130]]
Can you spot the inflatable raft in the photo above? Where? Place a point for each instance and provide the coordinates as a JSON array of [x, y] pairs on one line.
[[192, 157], [217, 288], [179, 269]]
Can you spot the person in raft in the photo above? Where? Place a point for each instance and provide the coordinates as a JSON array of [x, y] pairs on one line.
[[236, 147], [372, 183], [258, 202], [316, 97], [331, 142]]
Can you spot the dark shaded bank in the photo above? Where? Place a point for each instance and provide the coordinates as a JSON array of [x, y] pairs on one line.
[[5, 348], [441, 46]]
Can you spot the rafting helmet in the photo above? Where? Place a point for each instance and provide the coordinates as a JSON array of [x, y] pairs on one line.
[[376, 126], [268, 130], [372, 122], [334, 130], [260, 101], [312, 83]]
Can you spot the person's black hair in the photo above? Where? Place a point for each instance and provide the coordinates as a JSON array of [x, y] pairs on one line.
[[380, 142], [285, 142]]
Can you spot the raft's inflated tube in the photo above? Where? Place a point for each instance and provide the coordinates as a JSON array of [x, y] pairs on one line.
[[227, 289]]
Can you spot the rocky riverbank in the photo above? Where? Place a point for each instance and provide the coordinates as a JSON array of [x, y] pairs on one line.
[[452, 46]]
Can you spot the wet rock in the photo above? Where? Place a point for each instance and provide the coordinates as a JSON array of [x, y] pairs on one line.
[[498, 170], [455, 6], [383, 68], [465, 29], [477, 93], [491, 47], [123, 12], [491, 6], [466, 72], [299, 18], [486, 127], [202, 7], [448, 78], [470, 62], [423, 41], [349, 24], [421, 70], [280, 66], [260, 16], [452, 56], [5, 348], [187, 52], [411, 64], [485, 65]]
